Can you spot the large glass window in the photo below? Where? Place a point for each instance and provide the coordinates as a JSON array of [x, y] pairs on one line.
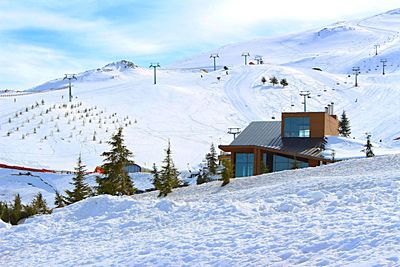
[[297, 127], [244, 164], [282, 163]]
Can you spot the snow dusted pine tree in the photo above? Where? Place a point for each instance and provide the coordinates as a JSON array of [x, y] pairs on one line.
[[273, 80], [211, 158], [59, 200], [116, 180], [344, 125], [39, 205], [169, 174], [368, 147], [81, 189], [156, 177]]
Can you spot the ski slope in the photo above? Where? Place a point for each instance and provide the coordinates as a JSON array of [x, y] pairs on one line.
[[343, 214], [192, 109]]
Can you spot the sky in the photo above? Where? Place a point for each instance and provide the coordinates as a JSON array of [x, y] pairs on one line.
[[41, 40]]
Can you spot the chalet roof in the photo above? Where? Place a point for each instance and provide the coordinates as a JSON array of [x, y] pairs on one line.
[[268, 134]]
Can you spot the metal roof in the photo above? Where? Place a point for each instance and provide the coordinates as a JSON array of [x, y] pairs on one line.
[[268, 134]]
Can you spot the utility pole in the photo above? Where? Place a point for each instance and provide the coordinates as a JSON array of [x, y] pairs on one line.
[[155, 66], [376, 49], [70, 77], [305, 94], [356, 71], [234, 131], [214, 56], [245, 55], [383, 61]]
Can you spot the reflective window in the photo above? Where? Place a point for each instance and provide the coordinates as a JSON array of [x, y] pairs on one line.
[[282, 163], [244, 164], [297, 127]]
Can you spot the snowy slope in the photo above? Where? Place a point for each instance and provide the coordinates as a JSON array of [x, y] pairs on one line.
[[337, 215], [193, 111]]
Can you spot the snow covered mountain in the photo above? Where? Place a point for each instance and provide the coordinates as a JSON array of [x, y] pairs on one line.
[[343, 214], [194, 108]]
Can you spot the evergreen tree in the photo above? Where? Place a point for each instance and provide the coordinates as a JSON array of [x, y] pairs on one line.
[[169, 174], [116, 180], [212, 159], [344, 125], [227, 172], [81, 188], [264, 168], [17, 210], [263, 80], [5, 212], [59, 200], [39, 205], [156, 177], [284, 82], [273, 80], [202, 178], [368, 147]]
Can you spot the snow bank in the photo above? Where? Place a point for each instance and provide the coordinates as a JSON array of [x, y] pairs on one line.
[[4, 225], [339, 214]]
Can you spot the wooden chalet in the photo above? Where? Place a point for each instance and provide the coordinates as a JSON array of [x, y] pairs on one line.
[[295, 142]]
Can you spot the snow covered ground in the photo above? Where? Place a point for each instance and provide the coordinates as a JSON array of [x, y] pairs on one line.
[[14, 182], [193, 111], [343, 214]]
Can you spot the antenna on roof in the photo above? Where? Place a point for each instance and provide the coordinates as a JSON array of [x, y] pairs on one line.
[[245, 55], [305, 94], [234, 131], [214, 56], [69, 77]]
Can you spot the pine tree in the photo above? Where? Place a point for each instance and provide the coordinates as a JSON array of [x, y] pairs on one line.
[[39, 205], [227, 172], [202, 178], [17, 210], [116, 180], [81, 188], [5, 212], [264, 168], [273, 80], [263, 80], [59, 200], [344, 125], [168, 175], [368, 147], [156, 177], [211, 158], [284, 82]]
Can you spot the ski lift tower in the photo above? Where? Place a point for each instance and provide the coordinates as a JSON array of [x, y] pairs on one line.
[[356, 71], [259, 59], [245, 55], [214, 56], [70, 77], [234, 131], [305, 94]]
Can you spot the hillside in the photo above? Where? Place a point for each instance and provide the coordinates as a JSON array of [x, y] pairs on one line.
[[193, 109], [340, 214]]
